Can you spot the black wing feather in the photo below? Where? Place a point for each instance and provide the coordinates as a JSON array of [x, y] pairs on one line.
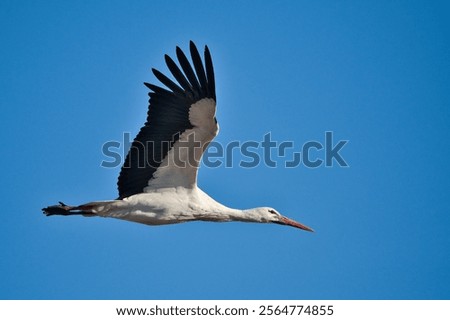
[[198, 65], [167, 82], [167, 118], [186, 66], [210, 74], [179, 76]]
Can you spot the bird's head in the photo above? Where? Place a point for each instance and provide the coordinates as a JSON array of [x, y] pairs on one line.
[[266, 214]]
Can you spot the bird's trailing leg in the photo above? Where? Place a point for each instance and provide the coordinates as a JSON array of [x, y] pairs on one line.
[[62, 209]]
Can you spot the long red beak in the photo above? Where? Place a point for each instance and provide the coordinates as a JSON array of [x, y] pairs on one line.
[[292, 223]]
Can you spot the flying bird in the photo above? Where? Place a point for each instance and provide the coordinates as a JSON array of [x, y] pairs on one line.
[[158, 180]]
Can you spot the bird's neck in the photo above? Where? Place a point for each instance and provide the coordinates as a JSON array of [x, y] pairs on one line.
[[226, 214], [218, 212]]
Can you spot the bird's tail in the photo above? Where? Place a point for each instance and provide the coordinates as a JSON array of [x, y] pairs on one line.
[[62, 209]]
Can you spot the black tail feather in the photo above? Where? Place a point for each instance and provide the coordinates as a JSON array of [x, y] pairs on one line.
[[62, 209]]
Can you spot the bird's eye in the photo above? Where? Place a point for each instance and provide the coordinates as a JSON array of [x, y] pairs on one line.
[[272, 211]]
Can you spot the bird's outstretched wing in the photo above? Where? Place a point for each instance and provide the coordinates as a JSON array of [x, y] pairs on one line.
[[180, 124]]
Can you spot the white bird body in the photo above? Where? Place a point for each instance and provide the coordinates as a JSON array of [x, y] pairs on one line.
[[173, 205], [158, 181]]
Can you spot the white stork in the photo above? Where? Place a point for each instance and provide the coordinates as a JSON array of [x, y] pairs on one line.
[[158, 181]]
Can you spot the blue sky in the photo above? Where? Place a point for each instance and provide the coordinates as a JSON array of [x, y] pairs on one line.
[[373, 73]]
